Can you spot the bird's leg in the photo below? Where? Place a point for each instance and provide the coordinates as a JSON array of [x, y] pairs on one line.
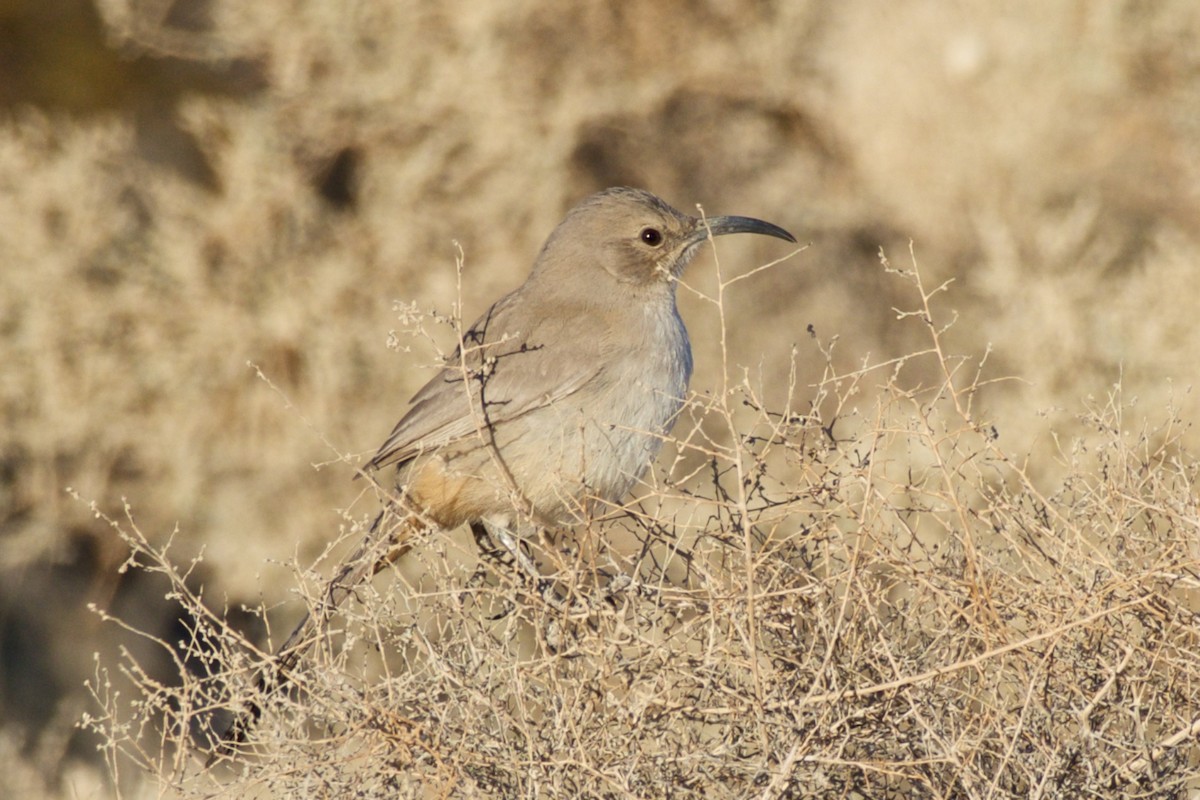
[[497, 531], [513, 545], [487, 543]]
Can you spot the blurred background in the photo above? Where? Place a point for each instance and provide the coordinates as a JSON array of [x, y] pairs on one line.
[[188, 186]]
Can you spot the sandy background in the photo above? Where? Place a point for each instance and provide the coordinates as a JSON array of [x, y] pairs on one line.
[[189, 187]]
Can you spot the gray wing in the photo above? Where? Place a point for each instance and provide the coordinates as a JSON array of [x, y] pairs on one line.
[[509, 365]]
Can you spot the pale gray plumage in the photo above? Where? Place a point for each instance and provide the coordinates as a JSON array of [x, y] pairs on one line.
[[563, 390], [582, 369]]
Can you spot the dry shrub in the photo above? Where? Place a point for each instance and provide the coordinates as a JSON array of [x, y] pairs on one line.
[[1046, 155], [857, 593]]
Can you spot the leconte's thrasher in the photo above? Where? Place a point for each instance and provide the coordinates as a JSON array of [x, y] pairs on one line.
[[557, 400]]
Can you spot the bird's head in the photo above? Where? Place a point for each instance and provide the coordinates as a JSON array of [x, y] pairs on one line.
[[635, 238]]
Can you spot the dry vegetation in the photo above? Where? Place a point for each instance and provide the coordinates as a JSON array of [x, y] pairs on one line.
[[825, 600], [870, 566]]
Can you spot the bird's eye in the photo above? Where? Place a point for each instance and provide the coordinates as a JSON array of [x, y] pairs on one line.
[[652, 236]]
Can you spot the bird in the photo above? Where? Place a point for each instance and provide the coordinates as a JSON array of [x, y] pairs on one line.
[[556, 401]]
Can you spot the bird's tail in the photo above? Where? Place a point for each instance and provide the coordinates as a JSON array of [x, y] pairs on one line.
[[389, 538]]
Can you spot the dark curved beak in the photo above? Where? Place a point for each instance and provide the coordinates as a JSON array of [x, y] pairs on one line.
[[723, 225]]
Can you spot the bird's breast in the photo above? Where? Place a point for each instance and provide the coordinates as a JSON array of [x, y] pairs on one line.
[[597, 441], [645, 390]]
